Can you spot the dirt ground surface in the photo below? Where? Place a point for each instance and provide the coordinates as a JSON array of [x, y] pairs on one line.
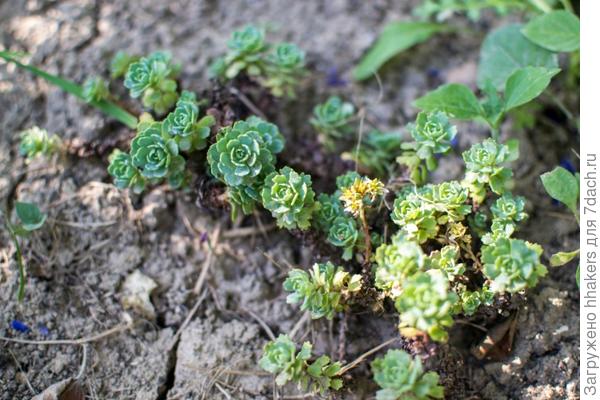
[[205, 344]]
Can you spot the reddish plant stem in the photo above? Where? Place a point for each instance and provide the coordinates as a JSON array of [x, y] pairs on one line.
[[363, 220]]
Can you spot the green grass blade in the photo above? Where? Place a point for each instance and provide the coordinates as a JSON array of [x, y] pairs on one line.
[[107, 107]]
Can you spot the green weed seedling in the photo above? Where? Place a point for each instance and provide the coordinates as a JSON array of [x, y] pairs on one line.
[[30, 219]]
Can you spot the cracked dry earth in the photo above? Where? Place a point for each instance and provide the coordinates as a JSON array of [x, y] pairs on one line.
[[96, 235]]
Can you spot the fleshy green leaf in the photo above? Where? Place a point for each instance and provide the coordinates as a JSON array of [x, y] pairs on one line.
[[556, 31], [563, 257], [506, 50], [107, 107], [454, 99], [30, 215], [562, 185], [526, 84], [396, 37]]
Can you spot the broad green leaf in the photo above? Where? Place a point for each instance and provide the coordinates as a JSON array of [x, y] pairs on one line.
[[556, 31], [563, 257], [396, 37], [513, 149], [107, 107], [506, 50], [454, 99], [562, 185], [526, 84], [30, 215]]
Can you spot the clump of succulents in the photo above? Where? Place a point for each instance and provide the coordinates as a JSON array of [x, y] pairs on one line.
[[277, 67], [36, 142], [425, 305], [485, 163], [153, 79], [470, 301], [95, 89], [333, 120], [433, 135], [290, 198], [280, 357], [402, 377], [512, 265], [507, 211], [323, 292]]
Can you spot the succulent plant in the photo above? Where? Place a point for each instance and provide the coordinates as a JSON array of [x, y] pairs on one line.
[[446, 260], [120, 63], [269, 133], [450, 199], [330, 208], [153, 78], [416, 220], [344, 233], [153, 155], [396, 262], [433, 134], [183, 126], [332, 120], [284, 69], [240, 156], [37, 142], [247, 49], [124, 173], [509, 208], [403, 378], [425, 304], [324, 291], [280, 357], [290, 198], [512, 265], [95, 89], [485, 166]]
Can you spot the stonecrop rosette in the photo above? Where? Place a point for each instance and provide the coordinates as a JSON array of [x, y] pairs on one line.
[[512, 265], [183, 126], [433, 134], [240, 156], [425, 304], [396, 262], [485, 166], [153, 78], [124, 173], [153, 155], [290, 198], [403, 378]]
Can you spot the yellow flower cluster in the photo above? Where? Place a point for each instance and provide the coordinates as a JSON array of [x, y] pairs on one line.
[[363, 191]]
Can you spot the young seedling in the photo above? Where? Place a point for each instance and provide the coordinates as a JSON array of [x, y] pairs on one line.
[[30, 219]]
